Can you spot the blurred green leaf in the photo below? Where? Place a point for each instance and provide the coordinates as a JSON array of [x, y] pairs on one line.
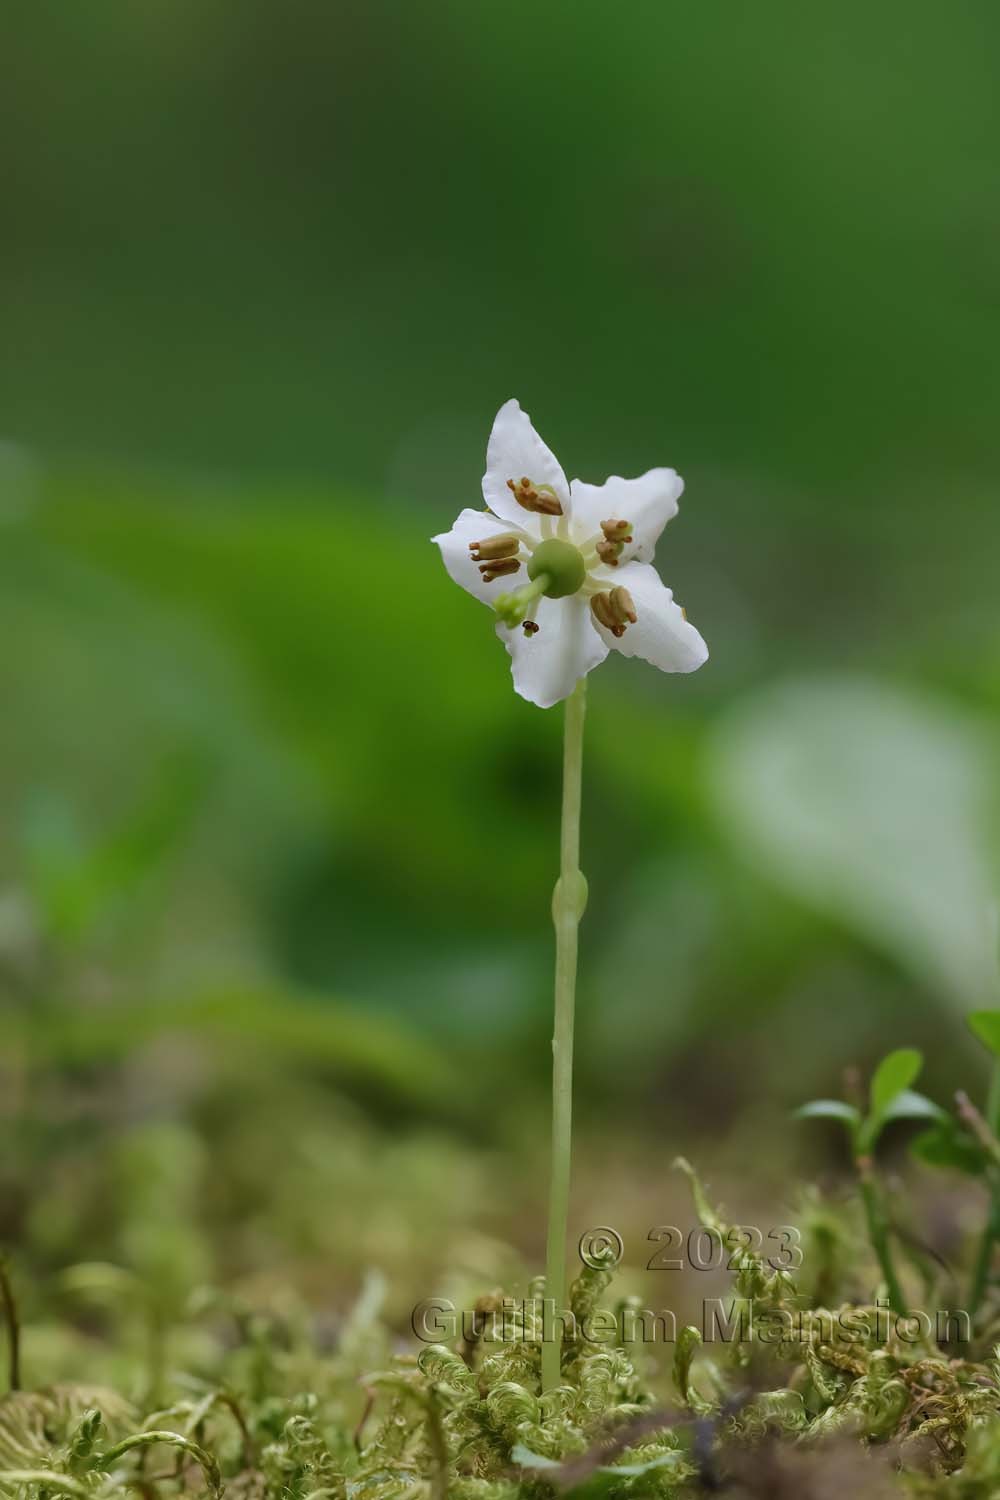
[[829, 1109], [603, 1478], [522, 1455], [76, 883], [363, 1048], [910, 1106], [947, 1145], [894, 1074], [985, 1024], [874, 804]]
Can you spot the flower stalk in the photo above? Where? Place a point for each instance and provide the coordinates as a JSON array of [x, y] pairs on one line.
[[568, 902]]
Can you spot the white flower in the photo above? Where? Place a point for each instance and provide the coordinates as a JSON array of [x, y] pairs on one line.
[[586, 550]]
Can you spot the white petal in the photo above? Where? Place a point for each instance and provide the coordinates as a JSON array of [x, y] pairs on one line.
[[547, 666], [475, 526], [515, 451], [648, 503], [660, 635]]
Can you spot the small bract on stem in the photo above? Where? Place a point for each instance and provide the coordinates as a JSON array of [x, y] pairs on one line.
[[586, 550]]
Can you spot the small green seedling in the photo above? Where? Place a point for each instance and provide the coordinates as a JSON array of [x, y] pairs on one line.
[[890, 1098]]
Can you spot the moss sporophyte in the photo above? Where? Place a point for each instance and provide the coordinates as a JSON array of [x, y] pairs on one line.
[[586, 551]]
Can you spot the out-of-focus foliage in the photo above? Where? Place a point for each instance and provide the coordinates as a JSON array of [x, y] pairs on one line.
[[238, 758], [880, 808], [328, 238], [277, 840], [251, 732]]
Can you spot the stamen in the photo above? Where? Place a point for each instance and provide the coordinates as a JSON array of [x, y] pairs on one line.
[[530, 627], [498, 568], [504, 545], [614, 610], [600, 608], [623, 605], [539, 498], [616, 535]]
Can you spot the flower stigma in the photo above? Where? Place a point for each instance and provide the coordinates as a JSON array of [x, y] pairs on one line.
[[513, 608], [562, 563], [556, 569]]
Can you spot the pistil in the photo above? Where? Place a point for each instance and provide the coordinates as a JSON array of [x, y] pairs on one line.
[[513, 608]]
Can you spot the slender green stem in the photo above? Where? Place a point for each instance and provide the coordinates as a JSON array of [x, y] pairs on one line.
[[48, 1479], [209, 1466], [993, 1100], [878, 1232], [568, 902], [438, 1447], [9, 1304], [991, 1230], [984, 1255]]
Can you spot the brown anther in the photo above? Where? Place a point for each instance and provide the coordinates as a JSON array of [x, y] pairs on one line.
[[600, 608], [615, 610], [498, 567], [684, 613], [529, 627], [505, 545], [541, 499], [622, 605], [616, 534]]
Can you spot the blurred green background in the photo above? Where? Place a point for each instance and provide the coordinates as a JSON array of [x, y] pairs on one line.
[[278, 839]]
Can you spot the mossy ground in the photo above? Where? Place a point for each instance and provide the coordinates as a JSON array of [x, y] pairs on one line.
[[142, 1379]]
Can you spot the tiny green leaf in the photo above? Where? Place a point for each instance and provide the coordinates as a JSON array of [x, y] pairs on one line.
[[894, 1074], [829, 1109], [945, 1145], [985, 1024], [526, 1459], [910, 1106], [604, 1477]]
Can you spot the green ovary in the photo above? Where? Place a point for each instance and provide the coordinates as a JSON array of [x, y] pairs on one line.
[[563, 563]]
